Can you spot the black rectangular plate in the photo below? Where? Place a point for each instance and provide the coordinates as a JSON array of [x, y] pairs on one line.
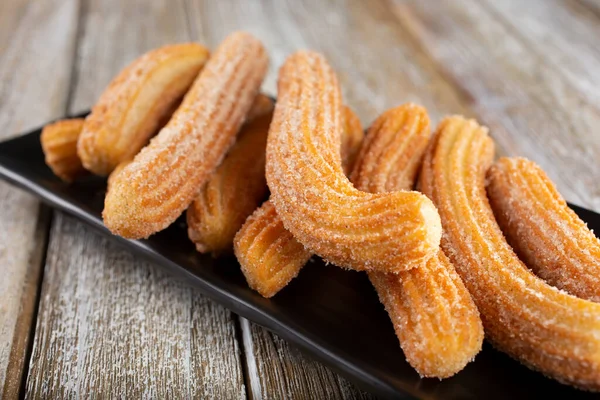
[[332, 314]]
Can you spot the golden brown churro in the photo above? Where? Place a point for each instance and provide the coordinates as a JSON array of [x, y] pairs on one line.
[[231, 194], [546, 234], [434, 317], [269, 255], [541, 326], [136, 103], [313, 197], [59, 142], [163, 179]]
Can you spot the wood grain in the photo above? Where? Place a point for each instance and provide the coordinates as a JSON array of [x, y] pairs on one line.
[[564, 34], [278, 371], [29, 95], [114, 326], [531, 108], [109, 324]]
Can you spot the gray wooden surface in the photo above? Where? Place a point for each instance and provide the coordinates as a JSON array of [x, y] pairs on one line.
[[79, 316]]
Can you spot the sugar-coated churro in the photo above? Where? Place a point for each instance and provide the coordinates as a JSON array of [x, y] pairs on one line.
[[313, 197], [163, 179], [231, 194], [136, 104], [546, 234], [269, 255], [434, 317], [541, 326], [59, 143]]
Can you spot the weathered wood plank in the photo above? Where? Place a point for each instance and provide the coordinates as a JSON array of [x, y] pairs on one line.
[[34, 82], [278, 371], [109, 324], [114, 326], [531, 108], [565, 34]]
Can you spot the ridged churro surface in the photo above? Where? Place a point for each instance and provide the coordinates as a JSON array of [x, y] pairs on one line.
[[546, 234], [269, 255], [59, 143], [163, 179], [232, 193], [313, 197], [434, 317], [136, 104], [543, 327]]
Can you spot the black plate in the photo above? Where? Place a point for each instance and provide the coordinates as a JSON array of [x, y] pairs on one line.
[[333, 315]]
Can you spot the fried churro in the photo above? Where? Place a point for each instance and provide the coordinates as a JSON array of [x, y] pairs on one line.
[[538, 324], [269, 255], [434, 317], [313, 197], [546, 234], [59, 143], [231, 194], [136, 104], [163, 179]]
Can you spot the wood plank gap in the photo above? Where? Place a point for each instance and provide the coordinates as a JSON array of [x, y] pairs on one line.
[[239, 337], [16, 377], [21, 353], [253, 386], [461, 91], [189, 26], [79, 33]]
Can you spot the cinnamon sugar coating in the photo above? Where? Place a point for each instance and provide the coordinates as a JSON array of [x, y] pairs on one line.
[[269, 255], [313, 197], [137, 103], [59, 143], [165, 176], [434, 317], [537, 324], [546, 234]]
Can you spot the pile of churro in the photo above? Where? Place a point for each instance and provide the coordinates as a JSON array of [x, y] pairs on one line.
[[456, 246]]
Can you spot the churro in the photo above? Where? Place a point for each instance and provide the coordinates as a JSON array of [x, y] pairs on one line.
[[313, 197], [165, 176], [269, 256], [539, 225], [59, 143], [538, 324], [231, 194], [434, 317], [136, 104]]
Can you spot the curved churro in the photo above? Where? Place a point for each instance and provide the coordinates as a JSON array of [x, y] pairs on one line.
[[313, 197], [269, 255], [539, 325], [163, 179], [391, 154], [136, 104], [59, 143], [546, 234], [434, 317], [231, 194]]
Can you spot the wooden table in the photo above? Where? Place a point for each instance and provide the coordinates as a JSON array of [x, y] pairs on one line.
[[79, 316]]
